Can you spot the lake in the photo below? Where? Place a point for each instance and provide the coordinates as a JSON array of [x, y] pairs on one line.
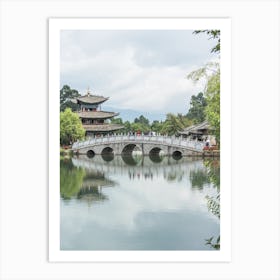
[[139, 203]]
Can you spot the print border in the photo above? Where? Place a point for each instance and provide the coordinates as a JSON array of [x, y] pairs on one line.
[[58, 24]]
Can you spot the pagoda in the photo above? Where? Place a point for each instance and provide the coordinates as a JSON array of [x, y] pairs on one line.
[[94, 120]]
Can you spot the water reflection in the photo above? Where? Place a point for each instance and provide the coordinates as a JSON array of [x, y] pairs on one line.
[[199, 178], [156, 158], [107, 157], [71, 178], [213, 201], [76, 182], [134, 203], [131, 159]]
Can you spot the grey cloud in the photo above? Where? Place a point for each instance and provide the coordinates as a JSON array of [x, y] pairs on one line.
[[134, 66]]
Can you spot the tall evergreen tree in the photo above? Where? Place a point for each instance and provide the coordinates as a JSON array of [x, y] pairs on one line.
[[66, 94], [197, 106]]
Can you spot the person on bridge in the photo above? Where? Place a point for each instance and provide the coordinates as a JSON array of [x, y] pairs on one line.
[[207, 144]]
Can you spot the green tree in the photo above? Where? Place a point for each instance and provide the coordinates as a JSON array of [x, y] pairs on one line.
[[140, 124], [213, 34], [197, 108], [127, 127], [157, 126], [212, 94], [66, 94], [117, 121], [174, 124], [142, 120], [213, 201], [212, 110], [71, 128], [139, 127], [211, 74]]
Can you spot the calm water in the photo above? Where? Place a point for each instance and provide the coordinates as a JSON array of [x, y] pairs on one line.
[[139, 203]]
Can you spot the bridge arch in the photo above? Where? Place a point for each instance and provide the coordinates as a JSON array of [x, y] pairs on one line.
[[129, 148], [155, 156], [107, 154], [107, 150], [155, 151], [90, 153], [130, 160], [177, 155]]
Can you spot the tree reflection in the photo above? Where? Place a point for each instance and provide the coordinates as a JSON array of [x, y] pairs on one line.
[[199, 178], [173, 175], [71, 178], [86, 186], [213, 202]]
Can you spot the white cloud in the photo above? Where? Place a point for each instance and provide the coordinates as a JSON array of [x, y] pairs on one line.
[[132, 86], [138, 71]]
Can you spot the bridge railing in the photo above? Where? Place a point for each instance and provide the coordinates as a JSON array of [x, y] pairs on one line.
[[160, 139]]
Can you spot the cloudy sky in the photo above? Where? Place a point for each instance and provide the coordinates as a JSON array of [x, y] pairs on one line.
[[141, 70]]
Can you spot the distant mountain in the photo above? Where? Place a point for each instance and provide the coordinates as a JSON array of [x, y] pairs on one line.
[[130, 115]]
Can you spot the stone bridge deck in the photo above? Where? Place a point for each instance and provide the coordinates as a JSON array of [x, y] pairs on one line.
[[121, 144]]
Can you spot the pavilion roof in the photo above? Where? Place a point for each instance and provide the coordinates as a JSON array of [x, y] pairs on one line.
[[102, 127], [97, 114], [196, 129]]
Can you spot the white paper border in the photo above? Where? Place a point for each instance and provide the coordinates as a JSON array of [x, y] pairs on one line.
[[55, 26]]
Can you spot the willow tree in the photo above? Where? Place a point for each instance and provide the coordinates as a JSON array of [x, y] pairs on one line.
[[213, 201], [210, 73], [212, 34]]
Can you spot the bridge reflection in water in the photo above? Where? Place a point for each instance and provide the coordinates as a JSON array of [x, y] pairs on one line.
[[137, 164], [135, 202], [84, 178]]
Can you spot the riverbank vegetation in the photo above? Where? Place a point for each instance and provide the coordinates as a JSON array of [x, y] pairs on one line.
[[210, 74]]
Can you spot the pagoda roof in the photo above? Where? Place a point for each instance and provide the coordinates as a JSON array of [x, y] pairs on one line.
[[102, 127], [90, 99], [96, 114]]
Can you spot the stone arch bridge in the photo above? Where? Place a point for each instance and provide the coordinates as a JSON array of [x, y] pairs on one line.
[[126, 144]]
